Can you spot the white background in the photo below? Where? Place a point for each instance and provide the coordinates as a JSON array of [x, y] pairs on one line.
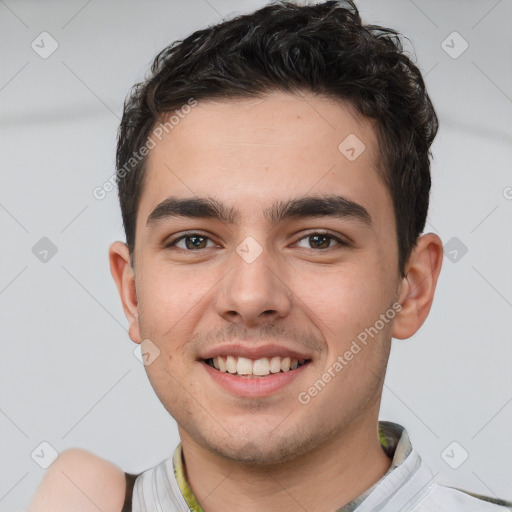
[[68, 375]]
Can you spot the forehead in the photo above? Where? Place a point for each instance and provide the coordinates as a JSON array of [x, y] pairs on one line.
[[252, 153]]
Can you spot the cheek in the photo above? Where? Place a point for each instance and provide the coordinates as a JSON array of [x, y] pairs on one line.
[[166, 296], [343, 298], [345, 301], [160, 312]]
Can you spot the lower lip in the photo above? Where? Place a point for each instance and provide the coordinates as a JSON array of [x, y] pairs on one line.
[[253, 386]]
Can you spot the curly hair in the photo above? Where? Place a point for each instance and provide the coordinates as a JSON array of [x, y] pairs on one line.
[[324, 49]]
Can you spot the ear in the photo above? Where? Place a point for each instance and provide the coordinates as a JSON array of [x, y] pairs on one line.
[[124, 277], [416, 290]]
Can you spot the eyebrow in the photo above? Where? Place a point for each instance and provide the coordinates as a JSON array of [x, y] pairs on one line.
[[296, 208]]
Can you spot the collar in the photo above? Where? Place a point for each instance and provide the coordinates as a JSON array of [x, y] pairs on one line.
[[393, 439], [397, 445]]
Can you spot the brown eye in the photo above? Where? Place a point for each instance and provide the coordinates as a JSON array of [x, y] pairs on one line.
[[192, 241], [321, 240]]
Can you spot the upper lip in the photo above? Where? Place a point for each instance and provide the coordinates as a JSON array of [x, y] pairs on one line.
[[253, 352]]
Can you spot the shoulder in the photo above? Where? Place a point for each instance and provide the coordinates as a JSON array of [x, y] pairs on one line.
[[81, 481], [445, 498]]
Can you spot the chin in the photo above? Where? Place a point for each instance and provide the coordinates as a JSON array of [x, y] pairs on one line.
[[257, 455], [260, 449]]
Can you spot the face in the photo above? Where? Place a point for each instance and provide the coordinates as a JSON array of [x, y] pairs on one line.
[[287, 257]]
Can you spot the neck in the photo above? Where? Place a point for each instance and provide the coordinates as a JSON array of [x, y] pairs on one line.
[[323, 480]]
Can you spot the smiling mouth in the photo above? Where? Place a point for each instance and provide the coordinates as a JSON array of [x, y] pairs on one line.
[[245, 367]]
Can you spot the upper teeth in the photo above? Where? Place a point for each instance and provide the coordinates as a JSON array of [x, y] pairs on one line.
[[263, 366]]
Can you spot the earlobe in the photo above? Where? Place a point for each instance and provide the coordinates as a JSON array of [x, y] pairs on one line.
[[416, 291], [124, 277]]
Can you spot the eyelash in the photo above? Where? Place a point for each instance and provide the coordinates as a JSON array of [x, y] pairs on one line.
[[173, 243]]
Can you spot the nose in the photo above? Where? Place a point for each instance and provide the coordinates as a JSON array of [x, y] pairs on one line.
[[254, 291]]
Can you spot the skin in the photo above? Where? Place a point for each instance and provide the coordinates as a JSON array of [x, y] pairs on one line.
[[80, 481], [272, 453]]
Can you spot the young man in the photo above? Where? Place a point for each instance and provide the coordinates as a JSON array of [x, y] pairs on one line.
[[274, 179]]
